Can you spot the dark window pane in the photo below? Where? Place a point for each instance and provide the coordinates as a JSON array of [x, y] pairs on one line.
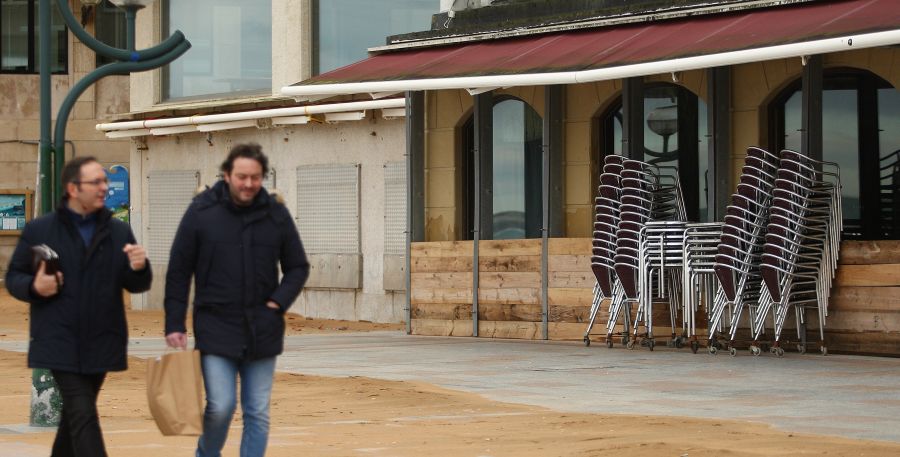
[[347, 28], [110, 28], [792, 120], [517, 138], [20, 39], [58, 34], [14, 40], [231, 48], [889, 166], [616, 146], [509, 170], [673, 116], [858, 113], [517, 171], [702, 162], [840, 141]]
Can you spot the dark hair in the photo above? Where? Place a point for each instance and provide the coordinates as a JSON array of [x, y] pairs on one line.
[[247, 151], [71, 172]]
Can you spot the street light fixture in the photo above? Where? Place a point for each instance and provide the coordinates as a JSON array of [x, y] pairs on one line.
[[128, 60], [44, 410]]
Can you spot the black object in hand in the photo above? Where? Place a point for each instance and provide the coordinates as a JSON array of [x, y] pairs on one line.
[[42, 252]]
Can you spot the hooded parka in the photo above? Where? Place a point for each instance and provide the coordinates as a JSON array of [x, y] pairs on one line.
[[233, 253], [82, 328]]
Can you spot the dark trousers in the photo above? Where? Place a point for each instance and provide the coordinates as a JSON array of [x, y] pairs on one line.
[[79, 433]]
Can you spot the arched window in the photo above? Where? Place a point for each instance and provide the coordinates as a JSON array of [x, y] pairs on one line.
[[674, 135], [516, 177], [860, 120]]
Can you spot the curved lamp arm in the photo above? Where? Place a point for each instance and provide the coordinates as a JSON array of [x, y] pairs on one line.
[[116, 53], [115, 68]]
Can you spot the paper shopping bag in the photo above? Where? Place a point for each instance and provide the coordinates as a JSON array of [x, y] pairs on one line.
[[175, 392]]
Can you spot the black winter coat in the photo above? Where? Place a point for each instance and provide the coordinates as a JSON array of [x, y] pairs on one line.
[[82, 328], [233, 254]]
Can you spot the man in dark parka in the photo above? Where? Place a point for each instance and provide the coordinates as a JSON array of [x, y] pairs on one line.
[[78, 328], [231, 240]]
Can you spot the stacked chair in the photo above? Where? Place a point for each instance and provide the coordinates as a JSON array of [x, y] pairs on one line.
[[660, 274], [802, 242], [701, 244], [603, 250], [774, 255], [632, 194], [738, 258]]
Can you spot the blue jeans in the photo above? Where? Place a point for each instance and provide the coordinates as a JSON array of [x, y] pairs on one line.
[[220, 378]]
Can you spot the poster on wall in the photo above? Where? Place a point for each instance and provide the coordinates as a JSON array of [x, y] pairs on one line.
[[117, 198], [15, 210]]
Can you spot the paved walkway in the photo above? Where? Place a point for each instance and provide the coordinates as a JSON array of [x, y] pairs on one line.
[[850, 396]]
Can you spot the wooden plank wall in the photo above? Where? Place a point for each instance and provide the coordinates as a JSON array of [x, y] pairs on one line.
[[509, 292], [441, 288], [864, 310], [864, 314]]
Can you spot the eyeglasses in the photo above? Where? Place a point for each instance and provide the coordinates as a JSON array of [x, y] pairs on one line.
[[94, 182]]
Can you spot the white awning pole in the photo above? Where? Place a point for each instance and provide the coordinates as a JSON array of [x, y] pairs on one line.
[[253, 115], [725, 59]]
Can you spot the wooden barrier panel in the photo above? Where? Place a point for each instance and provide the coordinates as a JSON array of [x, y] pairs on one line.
[[870, 299], [876, 275], [569, 246], [507, 263], [574, 296], [441, 264], [440, 295], [521, 295], [869, 252], [441, 327], [506, 279], [864, 307], [864, 303], [441, 311], [451, 280], [510, 312], [571, 314], [492, 248], [441, 249], [856, 342]]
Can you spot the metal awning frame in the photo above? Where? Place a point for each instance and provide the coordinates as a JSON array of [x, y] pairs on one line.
[[723, 59], [296, 115]]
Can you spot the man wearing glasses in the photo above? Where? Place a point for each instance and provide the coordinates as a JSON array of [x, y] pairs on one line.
[[231, 240], [78, 328]]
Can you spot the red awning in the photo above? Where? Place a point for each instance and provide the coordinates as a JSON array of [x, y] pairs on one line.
[[629, 45]]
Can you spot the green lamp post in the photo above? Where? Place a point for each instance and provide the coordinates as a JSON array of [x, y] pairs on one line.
[[45, 399]]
